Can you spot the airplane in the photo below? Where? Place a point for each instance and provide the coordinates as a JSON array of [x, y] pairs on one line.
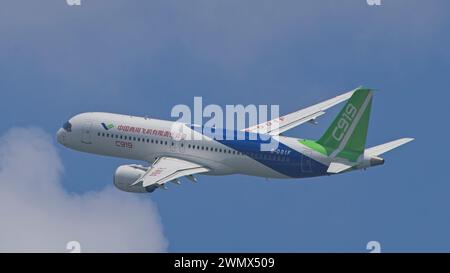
[[172, 154]]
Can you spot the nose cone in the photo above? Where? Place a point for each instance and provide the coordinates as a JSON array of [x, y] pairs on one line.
[[61, 136]]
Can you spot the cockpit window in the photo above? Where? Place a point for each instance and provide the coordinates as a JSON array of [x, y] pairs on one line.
[[67, 126]]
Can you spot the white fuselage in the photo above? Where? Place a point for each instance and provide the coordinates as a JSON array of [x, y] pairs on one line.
[[146, 139]]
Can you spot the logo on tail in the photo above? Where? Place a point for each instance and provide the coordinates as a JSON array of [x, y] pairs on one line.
[[346, 137], [344, 122]]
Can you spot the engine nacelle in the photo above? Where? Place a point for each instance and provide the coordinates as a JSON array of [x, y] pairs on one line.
[[126, 175]]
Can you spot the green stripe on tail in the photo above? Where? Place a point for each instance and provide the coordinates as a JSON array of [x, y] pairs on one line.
[[346, 137]]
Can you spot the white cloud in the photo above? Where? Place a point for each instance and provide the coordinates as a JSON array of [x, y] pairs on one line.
[[38, 215]]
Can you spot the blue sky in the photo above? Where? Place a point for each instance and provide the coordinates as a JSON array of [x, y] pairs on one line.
[[144, 57]]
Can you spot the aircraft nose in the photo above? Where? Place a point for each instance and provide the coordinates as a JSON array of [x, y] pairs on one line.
[[61, 136]]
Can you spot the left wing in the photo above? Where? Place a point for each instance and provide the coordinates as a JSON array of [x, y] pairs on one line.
[[166, 169], [278, 125]]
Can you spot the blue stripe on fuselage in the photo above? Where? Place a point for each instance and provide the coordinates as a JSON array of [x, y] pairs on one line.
[[283, 159]]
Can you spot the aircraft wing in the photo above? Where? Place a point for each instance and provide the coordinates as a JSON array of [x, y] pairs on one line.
[[278, 125], [166, 169]]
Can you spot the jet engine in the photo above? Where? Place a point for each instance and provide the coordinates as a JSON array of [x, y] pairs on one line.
[[126, 175]]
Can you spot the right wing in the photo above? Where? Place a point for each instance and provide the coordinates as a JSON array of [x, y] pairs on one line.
[[278, 125], [166, 169]]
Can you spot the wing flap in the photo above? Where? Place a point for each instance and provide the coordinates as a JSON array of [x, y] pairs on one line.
[[166, 169], [296, 123]]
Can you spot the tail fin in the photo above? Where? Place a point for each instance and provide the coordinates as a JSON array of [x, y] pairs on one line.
[[346, 137]]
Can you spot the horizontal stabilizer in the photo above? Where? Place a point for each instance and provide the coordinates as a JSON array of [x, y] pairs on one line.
[[336, 167], [384, 148]]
